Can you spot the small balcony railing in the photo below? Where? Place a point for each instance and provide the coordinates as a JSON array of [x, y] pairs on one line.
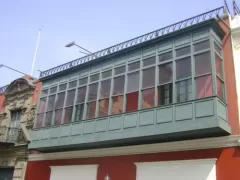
[[8, 135]]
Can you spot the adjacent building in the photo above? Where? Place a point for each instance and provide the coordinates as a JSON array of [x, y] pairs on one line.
[[17, 110], [160, 106]]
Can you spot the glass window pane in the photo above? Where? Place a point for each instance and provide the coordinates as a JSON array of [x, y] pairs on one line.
[[165, 94], [183, 51], [79, 112], [16, 115], [220, 88], [165, 56], [148, 77], [53, 90], [202, 63], [72, 84], [118, 87], [44, 92], [165, 73], [51, 102], [81, 94], [60, 100], [149, 61], [83, 81], [219, 68], [94, 77], [183, 68], [201, 46], [103, 107], [117, 104], [91, 107], [217, 49], [48, 119], [107, 74], [70, 97], [133, 82], [92, 94], [148, 98], [132, 101], [204, 86], [68, 114], [58, 117], [42, 105], [120, 70], [133, 66], [184, 90], [105, 88], [62, 87], [39, 120]]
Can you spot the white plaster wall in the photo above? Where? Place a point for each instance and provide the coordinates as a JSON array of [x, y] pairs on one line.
[[235, 35]]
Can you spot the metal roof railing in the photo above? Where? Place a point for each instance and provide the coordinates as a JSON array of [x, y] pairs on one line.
[[136, 41], [2, 89], [236, 9]]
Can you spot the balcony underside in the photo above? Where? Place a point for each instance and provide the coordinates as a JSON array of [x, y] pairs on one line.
[[196, 119]]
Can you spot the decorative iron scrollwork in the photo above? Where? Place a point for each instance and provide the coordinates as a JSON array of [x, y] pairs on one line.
[[136, 41]]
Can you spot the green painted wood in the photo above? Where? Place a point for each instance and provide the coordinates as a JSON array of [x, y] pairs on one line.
[[167, 118], [138, 124], [222, 113], [130, 120], [213, 64], [77, 129], [146, 117], [182, 40], [101, 125], [88, 127], [164, 115], [165, 46], [133, 56], [204, 108], [193, 69], [184, 112], [115, 122], [200, 35]]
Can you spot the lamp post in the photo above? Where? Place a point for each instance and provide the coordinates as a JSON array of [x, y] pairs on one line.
[[87, 52], [2, 65]]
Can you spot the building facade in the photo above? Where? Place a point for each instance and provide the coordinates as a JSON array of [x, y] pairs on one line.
[[163, 105], [17, 110]]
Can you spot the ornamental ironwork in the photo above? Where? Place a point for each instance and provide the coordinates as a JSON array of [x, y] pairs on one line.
[[2, 89], [136, 41]]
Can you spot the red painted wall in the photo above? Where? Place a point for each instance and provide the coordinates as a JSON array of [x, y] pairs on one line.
[[230, 80], [123, 167], [36, 93], [2, 103]]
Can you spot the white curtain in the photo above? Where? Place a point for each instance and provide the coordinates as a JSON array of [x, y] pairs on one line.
[[180, 170]]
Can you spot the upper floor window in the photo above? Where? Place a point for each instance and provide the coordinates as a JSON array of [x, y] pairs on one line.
[[15, 118], [174, 74]]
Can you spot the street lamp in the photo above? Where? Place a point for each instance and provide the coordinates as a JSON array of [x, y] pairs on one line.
[[2, 65], [70, 44]]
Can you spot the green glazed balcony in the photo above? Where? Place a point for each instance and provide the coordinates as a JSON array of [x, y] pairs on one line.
[[194, 119]]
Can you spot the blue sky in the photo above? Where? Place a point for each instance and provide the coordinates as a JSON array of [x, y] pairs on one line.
[[93, 24]]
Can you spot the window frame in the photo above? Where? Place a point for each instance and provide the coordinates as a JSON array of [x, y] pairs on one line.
[[172, 48], [196, 53], [222, 79]]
